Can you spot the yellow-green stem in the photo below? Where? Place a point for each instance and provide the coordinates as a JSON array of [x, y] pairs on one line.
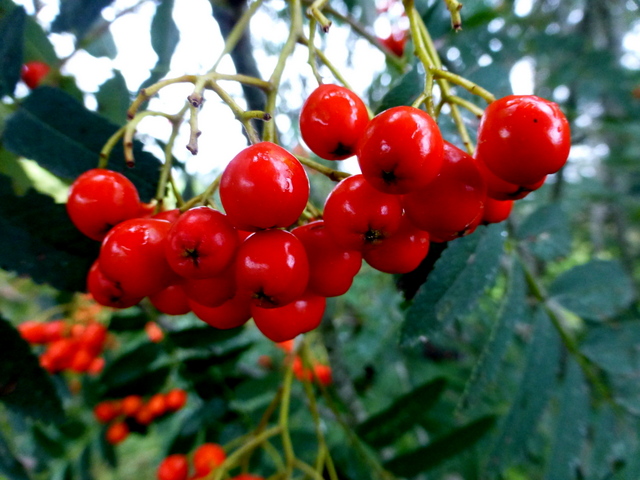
[[108, 146], [334, 175], [315, 11], [283, 421], [454, 8]]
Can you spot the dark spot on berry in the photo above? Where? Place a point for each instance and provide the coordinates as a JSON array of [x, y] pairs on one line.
[[341, 150], [535, 120], [373, 236], [389, 177], [193, 255]]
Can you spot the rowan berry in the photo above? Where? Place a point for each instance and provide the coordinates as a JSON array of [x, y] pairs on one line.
[[171, 300], [175, 399], [33, 72], [117, 432], [174, 467], [207, 458], [496, 211], [107, 292], [289, 321], [232, 313]]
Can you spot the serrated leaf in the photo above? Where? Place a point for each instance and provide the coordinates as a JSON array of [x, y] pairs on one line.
[[39, 240], [453, 443], [405, 91], [9, 466], [546, 232], [164, 39], [11, 50], [25, 387], [614, 348], [386, 426], [570, 425], [113, 99], [536, 386], [596, 291], [78, 16], [512, 310], [466, 268], [58, 132]]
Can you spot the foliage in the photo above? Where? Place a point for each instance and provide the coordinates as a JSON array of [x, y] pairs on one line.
[[511, 353]]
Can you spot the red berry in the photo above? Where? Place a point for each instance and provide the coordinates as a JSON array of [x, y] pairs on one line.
[[107, 292], [171, 300], [175, 399], [501, 190], [117, 432], [272, 268], [402, 252], [247, 476], [174, 467], [33, 331], [132, 255], [496, 211], [93, 337], [452, 204], [154, 332], [356, 214], [157, 405], [33, 73], [97, 365], [59, 353], [169, 215], [201, 243], [323, 374], [395, 42], [107, 410], [332, 120], [287, 322], [264, 186], [331, 267], [207, 458], [231, 314], [99, 199], [211, 292], [401, 150], [54, 330], [522, 138], [81, 360], [131, 405]]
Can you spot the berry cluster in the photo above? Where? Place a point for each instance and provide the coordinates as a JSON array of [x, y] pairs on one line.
[[259, 260], [73, 346], [122, 414], [206, 458], [316, 372]]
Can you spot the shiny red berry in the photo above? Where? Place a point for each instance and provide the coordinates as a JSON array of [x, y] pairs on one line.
[[33, 73], [211, 292], [401, 150], [107, 292], [201, 243], [99, 199], [232, 313], [207, 458], [496, 211], [264, 186], [171, 300], [332, 120], [522, 138], [174, 467], [500, 190], [272, 268], [356, 214]]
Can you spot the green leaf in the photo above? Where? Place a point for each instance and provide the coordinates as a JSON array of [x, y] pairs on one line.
[[512, 310], [404, 92], [467, 267], [78, 16], [113, 99], [203, 342], [9, 466], [386, 426], [11, 51], [596, 291], [425, 458], [10, 167], [39, 240], [36, 43], [546, 232], [614, 348], [570, 425], [103, 46], [164, 39], [537, 384], [58, 132], [25, 388]]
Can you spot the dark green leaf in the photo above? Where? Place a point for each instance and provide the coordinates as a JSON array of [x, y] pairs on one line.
[[78, 16], [11, 51], [597, 290], [10, 167], [512, 310], [49, 442], [39, 240], [164, 39], [84, 464], [614, 348], [570, 425], [207, 341], [467, 267], [25, 388], [547, 232], [103, 46], [9, 466], [59, 133], [404, 92], [536, 386], [113, 99], [441, 449], [386, 426], [141, 370], [36, 43]]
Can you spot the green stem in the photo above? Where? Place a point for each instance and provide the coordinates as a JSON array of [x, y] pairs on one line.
[[334, 175], [283, 421]]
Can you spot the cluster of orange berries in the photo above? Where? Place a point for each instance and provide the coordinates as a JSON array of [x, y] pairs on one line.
[[134, 408], [206, 459], [68, 345], [317, 372]]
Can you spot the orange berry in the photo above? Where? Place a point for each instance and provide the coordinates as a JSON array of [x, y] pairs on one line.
[[175, 399], [154, 332], [32, 331], [96, 367], [207, 457], [107, 410], [117, 432], [131, 405], [157, 405], [323, 374], [174, 467]]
